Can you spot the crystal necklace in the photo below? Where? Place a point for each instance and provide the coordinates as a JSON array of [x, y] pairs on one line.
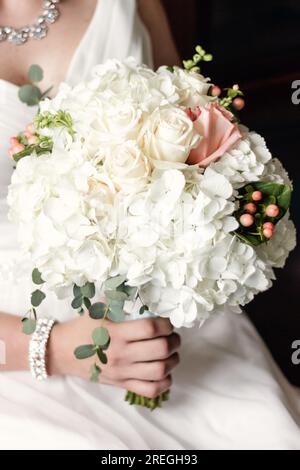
[[37, 30]]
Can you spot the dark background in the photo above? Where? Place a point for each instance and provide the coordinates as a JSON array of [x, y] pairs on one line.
[[257, 44]]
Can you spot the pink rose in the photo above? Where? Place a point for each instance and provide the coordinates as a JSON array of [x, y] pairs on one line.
[[218, 133]]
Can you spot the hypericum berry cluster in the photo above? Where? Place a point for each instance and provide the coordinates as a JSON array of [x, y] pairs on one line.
[[247, 219], [232, 100]]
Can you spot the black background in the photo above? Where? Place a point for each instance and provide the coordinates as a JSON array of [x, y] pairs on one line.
[[257, 44]]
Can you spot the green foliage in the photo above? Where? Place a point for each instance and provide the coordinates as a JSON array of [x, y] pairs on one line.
[[37, 277], [143, 309], [30, 94], [37, 298], [192, 65], [98, 310], [28, 326], [60, 119], [85, 351], [151, 403], [35, 73], [95, 372], [100, 337]]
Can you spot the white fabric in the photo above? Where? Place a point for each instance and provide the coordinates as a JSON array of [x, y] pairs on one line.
[[227, 392]]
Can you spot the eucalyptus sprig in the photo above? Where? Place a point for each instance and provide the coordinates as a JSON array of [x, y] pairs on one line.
[[30, 93], [192, 65], [116, 294]]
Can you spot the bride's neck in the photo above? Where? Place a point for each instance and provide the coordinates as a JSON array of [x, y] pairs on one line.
[[14, 12]]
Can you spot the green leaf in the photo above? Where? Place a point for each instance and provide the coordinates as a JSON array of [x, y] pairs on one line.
[[129, 291], [35, 73], [116, 311], [114, 282], [30, 94], [143, 309], [95, 372], [87, 303], [88, 290], [29, 326], [37, 298], [100, 336], [97, 310], [37, 277], [282, 192], [116, 295], [102, 356], [104, 348], [77, 302], [76, 291], [249, 239], [85, 351]]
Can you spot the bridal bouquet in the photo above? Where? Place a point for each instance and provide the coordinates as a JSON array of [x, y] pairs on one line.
[[145, 185]]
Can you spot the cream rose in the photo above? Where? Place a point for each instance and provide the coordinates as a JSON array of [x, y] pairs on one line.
[[168, 135], [127, 167]]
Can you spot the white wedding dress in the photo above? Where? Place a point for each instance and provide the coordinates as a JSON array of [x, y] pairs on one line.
[[227, 393]]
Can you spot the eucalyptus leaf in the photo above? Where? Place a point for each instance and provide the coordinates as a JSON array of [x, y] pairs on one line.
[[29, 326], [100, 336], [85, 351], [130, 291], [116, 311], [95, 372], [37, 277], [37, 298], [97, 310], [114, 282], [77, 302], [35, 73], [88, 290], [87, 303], [30, 94], [116, 295], [102, 356], [143, 309], [76, 291]]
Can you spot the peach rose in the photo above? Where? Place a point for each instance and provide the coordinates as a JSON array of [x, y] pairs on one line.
[[218, 133]]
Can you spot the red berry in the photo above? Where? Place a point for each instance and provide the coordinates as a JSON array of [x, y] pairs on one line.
[[215, 90], [257, 195], [238, 103], [272, 210], [246, 220], [250, 207], [268, 233], [269, 225]]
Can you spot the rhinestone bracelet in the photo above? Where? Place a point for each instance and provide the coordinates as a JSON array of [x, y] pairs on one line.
[[37, 348]]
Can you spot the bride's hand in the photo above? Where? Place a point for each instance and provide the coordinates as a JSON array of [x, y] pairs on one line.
[[141, 354]]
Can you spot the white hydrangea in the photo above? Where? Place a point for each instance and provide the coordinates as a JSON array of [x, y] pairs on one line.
[[246, 161]]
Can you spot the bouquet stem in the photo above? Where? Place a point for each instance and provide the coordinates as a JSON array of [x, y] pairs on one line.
[[151, 403]]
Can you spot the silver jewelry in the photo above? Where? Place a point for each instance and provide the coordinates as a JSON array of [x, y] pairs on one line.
[[37, 348], [37, 30]]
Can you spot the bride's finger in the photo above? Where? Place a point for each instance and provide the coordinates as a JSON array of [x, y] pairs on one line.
[[147, 388], [148, 328], [153, 350], [156, 370]]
